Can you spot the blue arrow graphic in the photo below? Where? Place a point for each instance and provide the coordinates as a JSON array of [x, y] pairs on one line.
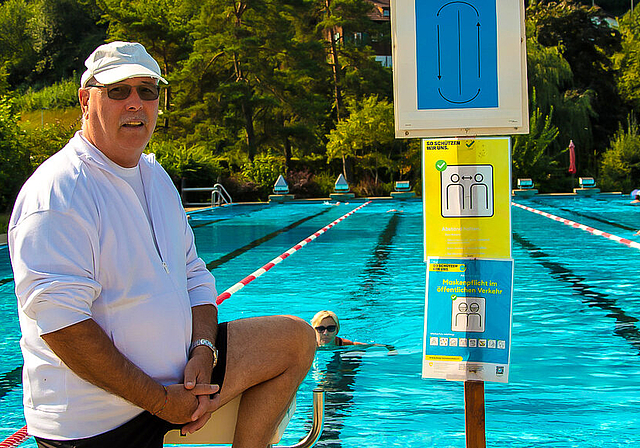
[[456, 54]]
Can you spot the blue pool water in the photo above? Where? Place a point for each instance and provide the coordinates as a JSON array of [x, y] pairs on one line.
[[575, 364]]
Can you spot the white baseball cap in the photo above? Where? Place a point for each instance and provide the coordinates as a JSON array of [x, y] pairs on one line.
[[117, 61]]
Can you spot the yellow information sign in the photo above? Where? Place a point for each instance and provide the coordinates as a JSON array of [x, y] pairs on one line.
[[467, 197]]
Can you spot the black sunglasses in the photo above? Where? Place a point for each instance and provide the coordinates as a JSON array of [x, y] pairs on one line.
[[329, 328], [146, 92]]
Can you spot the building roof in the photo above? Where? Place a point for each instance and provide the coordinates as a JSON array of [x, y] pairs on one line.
[[381, 10]]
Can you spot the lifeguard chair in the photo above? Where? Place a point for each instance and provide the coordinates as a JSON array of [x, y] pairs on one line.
[[402, 190], [587, 186], [525, 188], [341, 189], [280, 191], [220, 428]]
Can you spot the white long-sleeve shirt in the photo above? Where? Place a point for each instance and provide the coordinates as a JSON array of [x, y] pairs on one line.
[[82, 247]]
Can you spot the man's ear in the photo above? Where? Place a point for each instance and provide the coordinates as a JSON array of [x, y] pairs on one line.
[[83, 97]]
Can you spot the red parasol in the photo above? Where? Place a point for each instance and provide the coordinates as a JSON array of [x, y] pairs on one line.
[[572, 157]]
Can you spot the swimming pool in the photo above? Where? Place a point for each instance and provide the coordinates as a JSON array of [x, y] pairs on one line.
[[575, 364]]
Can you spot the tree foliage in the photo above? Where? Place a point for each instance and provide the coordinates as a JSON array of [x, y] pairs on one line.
[[367, 136], [531, 155], [621, 162], [183, 162], [44, 41], [628, 59], [14, 158], [290, 84], [570, 47], [246, 88]]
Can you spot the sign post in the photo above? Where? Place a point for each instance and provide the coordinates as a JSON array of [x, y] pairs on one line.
[[474, 414], [459, 71], [468, 301]]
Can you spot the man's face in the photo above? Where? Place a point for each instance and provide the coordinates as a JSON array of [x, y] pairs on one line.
[[120, 129]]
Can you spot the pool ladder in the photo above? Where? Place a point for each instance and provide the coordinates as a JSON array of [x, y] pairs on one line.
[[316, 428], [220, 196]]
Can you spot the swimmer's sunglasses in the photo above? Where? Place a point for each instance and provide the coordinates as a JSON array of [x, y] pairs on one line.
[[329, 328], [146, 92]]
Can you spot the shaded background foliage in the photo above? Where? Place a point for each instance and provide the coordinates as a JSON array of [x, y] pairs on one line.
[[266, 87]]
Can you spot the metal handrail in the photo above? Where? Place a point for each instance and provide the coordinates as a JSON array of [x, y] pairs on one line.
[[318, 422], [219, 196]]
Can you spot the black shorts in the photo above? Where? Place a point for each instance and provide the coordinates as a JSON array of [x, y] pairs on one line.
[[145, 430]]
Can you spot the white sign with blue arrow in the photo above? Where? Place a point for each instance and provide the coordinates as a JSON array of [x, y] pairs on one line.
[[459, 68], [466, 52]]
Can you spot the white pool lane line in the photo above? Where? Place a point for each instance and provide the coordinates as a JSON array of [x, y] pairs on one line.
[[251, 277], [577, 225]]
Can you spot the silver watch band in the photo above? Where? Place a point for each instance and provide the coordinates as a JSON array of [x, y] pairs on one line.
[[208, 343]]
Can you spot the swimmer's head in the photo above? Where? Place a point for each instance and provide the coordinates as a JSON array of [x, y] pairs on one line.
[[327, 325], [320, 315]]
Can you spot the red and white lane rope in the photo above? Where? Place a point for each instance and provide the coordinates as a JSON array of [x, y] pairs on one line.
[[251, 277], [577, 225], [15, 439]]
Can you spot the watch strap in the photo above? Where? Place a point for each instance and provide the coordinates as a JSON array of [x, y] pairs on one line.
[[207, 343]]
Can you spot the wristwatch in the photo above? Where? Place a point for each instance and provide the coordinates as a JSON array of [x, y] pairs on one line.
[[208, 343]]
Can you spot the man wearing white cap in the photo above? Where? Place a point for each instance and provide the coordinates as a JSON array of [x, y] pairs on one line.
[[119, 324]]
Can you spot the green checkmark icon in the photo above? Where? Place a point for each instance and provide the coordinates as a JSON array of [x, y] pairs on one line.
[[441, 165]]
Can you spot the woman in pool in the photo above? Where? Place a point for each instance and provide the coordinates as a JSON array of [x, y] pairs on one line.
[[327, 326]]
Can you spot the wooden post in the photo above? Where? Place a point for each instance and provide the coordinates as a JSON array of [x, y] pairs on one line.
[[474, 414]]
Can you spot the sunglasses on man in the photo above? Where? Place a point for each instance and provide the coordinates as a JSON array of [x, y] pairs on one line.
[[329, 328], [146, 92]]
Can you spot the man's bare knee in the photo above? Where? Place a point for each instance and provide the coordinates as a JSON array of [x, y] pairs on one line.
[[299, 344], [262, 348], [303, 341]]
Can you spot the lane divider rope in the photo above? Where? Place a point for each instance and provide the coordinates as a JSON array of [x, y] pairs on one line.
[[21, 435], [577, 225], [251, 277], [15, 439]]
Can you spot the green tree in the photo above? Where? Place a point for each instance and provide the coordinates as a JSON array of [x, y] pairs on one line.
[[63, 33], [586, 42], [44, 41], [17, 54], [627, 61], [551, 88], [621, 162], [162, 26], [253, 81], [181, 162], [367, 136], [613, 7], [531, 156], [341, 24], [264, 171], [14, 158]]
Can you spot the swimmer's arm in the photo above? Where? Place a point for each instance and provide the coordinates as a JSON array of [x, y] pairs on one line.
[[389, 347]]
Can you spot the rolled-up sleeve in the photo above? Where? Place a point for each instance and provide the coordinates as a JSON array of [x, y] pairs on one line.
[[54, 263]]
